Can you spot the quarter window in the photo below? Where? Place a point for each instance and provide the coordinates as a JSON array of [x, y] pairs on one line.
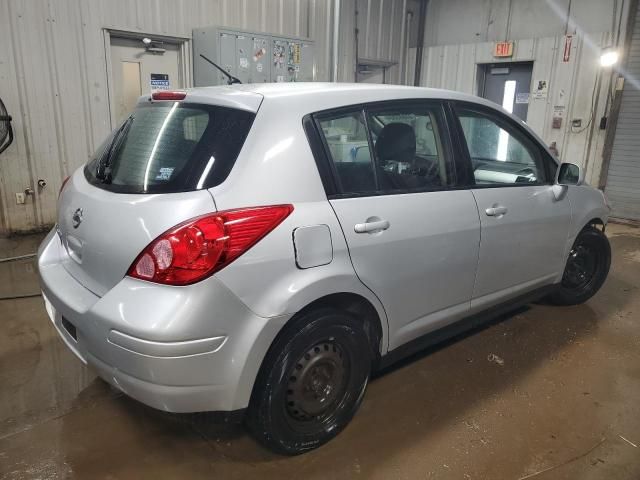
[[499, 153]]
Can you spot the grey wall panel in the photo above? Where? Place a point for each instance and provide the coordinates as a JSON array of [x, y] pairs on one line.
[[382, 30], [623, 179], [571, 85], [53, 72], [465, 21], [460, 34]]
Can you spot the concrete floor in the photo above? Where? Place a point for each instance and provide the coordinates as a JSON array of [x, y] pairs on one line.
[[562, 403]]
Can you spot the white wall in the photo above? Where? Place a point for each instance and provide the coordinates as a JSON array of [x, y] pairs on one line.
[[460, 34], [53, 71]]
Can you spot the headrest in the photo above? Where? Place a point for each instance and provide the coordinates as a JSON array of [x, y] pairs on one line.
[[397, 141]]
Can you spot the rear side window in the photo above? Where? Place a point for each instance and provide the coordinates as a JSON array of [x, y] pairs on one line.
[[387, 148], [167, 147], [408, 148], [345, 135]]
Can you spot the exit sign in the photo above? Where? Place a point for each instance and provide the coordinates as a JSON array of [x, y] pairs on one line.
[[503, 49]]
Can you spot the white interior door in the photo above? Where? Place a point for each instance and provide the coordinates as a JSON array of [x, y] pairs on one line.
[[137, 71]]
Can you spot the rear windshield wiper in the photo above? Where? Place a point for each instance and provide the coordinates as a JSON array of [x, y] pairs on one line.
[[230, 78], [103, 170]]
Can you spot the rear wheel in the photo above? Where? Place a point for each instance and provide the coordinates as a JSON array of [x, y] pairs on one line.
[[586, 269], [311, 383]]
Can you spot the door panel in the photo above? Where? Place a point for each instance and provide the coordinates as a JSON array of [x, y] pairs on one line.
[[523, 227], [422, 267], [227, 56], [523, 247], [412, 241], [495, 81], [253, 58]]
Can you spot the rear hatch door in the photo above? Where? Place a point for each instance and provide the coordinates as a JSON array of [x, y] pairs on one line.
[[151, 174]]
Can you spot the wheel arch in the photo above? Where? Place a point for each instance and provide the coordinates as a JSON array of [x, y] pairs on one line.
[[356, 305], [351, 302], [596, 222]]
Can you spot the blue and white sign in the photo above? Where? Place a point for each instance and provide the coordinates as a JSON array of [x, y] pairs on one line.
[[160, 81]]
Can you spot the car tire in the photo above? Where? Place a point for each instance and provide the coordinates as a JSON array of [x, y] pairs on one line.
[[311, 383], [586, 269]]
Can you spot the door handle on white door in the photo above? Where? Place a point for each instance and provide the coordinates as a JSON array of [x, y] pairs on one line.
[[371, 226], [496, 211]]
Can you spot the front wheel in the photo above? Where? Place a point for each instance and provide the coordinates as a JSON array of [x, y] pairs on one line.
[[311, 383], [586, 269]]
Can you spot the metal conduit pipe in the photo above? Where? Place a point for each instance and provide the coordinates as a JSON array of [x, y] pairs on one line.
[[336, 39], [422, 19]]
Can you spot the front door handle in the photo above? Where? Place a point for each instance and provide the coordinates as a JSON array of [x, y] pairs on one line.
[[496, 211], [371, 226]]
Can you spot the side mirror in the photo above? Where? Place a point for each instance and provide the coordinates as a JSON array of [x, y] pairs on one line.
[[569, 174]]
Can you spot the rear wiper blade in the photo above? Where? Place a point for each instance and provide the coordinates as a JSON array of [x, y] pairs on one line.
[[104, 165], [230, 78]]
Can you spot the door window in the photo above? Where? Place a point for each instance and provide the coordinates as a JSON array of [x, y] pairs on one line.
[[500, 153], [346, 139], [408, 149]]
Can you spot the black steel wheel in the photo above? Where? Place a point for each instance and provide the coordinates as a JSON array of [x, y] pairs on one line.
[[317, 383], [581, 267], [586, 269], [311, 383]]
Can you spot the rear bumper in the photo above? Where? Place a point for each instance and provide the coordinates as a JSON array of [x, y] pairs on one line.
[[178, 349]]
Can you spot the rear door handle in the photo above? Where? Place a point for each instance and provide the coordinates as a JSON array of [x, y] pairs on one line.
[[496, 211], [371, 227]]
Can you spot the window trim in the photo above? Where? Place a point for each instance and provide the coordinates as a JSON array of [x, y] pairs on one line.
[[326, 166], [316, 143], [501, 118]]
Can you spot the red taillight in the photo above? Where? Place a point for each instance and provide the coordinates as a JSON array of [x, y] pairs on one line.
[[202, 246], [168, 95], [64, 182]]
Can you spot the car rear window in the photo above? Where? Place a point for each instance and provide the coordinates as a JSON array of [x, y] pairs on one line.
[[166, 147]]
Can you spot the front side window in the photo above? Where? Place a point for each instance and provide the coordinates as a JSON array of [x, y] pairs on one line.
[[500, 153]]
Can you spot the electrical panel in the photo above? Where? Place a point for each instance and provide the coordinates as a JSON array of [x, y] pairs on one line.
[[251, 57]]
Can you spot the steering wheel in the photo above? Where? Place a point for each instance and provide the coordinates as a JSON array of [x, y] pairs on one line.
[[430, 173]]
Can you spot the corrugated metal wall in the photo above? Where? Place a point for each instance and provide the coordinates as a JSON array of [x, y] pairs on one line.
[[469, 21], [572, 87], [460, 34], [53, 73], [623, 179], [382, 34]]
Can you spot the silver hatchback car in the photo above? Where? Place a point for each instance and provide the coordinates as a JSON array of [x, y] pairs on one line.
[[260, 250]]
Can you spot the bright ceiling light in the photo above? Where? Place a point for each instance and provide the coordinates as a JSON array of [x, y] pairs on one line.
[[608, 58]]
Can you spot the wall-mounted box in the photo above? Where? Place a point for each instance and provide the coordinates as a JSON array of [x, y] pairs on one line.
[[252, 57]]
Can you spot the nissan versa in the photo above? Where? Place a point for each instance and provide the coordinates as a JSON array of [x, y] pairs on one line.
[[262, 249]]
